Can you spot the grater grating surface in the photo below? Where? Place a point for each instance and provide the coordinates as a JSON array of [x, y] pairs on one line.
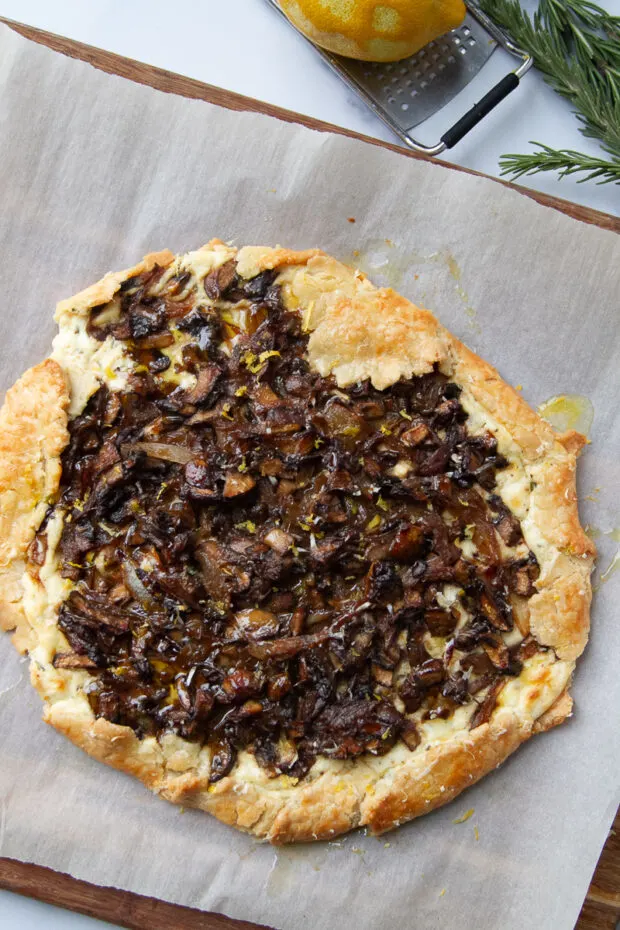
[[411, 90], [405, 93]]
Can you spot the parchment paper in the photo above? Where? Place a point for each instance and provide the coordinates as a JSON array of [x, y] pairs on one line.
[[96, 171]]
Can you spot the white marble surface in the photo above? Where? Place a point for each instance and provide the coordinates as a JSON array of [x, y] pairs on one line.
[[244, 46]]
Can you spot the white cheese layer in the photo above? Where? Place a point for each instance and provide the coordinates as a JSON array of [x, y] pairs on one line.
[[86, 362]]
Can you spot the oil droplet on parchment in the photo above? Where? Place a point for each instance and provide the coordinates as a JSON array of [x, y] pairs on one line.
[[613, 566], [569, 411], [12, 686], [388, 266], [453, 268], [575, 411], [384, 264], [289, 864], [470, 311], [611, 569], [249, 852]]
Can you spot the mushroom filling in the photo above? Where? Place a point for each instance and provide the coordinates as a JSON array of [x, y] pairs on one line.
[[262, 560]]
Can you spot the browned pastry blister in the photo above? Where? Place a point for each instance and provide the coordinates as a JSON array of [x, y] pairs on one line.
[[281, 546]]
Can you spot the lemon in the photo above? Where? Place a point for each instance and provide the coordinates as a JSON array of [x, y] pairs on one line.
[[374, 31]]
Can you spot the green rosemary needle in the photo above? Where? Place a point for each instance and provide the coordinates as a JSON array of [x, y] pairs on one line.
[[576, 46]]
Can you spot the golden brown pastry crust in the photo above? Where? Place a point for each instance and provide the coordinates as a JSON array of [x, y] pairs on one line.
[[33, 433], [357, 331]]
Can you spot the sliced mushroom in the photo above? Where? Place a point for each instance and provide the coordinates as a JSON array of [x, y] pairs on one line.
[[383, 675], [240, 684], [486, 708], [72, 660], [298, 621], [220, 576], [219, 281], [499, 617], [497, 652], [440, 622], [237, 484], [522, 583], [156, 341], [289, 646], [528, 648], [410, 735], [430, 673], [266, 397], [222, 761], [505, 521], [279, 540], [205, 383], [253, 623], [509, 529], [408, 543], [417, 433]]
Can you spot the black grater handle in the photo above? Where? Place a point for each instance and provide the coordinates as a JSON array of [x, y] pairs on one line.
[[480, 110]]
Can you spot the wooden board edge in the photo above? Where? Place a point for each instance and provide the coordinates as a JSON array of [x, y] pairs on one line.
[[170, 82], [595, 917], [125, 908]]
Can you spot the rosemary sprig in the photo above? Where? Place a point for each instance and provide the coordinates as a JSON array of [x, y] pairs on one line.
[[565, 161], [576, 46]]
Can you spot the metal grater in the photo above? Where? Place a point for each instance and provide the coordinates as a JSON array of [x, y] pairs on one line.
[[405, 93]]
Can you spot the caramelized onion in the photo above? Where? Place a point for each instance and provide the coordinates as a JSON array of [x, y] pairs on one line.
[[166, 451], [136, 587]]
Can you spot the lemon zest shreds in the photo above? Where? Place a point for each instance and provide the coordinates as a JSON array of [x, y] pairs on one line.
[[465, 816]]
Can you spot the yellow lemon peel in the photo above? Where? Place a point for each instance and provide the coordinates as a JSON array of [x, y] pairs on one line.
[[374, 31]]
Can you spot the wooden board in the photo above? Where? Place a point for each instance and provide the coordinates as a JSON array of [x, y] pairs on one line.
[[601, 910]]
